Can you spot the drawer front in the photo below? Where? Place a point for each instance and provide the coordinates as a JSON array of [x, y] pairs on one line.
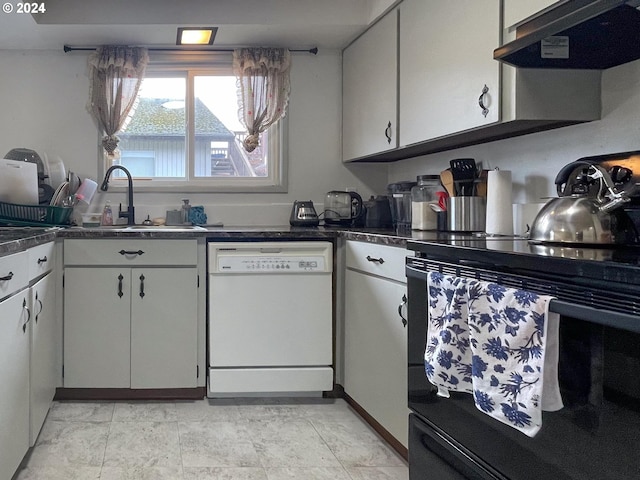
[[383, 260], [130, 252], [41, 259], [13, 273]]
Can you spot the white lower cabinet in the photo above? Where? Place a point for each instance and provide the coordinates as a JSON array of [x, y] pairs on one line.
[[45, 357], [375, 348], [132, 325], [29, 343], [14, 375]]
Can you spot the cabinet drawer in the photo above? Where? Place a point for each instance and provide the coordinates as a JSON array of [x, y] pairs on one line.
[[13, 273], [130, 252], [41, 259], [382, 260]]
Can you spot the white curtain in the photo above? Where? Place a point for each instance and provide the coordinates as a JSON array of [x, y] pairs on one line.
[[263, 89], [115, 75]]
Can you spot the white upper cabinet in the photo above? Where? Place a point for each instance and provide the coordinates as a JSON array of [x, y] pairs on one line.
[[370, 83], [446, 60], [449, 90]]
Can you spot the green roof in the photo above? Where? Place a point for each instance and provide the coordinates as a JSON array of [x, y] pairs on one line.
[[153, 118]]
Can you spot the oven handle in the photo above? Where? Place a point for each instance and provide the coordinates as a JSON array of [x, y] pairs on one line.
[[586, 313]]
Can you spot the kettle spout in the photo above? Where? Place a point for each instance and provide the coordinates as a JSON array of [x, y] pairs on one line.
[[613, 203]]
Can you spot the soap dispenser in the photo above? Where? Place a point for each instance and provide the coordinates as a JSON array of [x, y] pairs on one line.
[[107, 215]]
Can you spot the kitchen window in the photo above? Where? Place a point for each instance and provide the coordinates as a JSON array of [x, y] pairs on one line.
[[184, 134]]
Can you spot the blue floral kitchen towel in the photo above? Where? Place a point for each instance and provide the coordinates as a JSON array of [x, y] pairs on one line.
[[498, 343]]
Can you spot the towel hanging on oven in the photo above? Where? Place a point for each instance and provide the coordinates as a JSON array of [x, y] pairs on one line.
[[498, 343]]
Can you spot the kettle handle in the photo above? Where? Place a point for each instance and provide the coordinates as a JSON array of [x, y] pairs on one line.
[[360, 205], [563, 175]]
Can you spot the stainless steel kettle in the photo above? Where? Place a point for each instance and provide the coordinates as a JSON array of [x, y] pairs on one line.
[[584, 216]]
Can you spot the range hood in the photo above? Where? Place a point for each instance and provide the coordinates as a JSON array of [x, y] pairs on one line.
[[577, 34]]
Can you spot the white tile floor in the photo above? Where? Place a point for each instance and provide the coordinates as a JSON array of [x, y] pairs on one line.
[[257, 439]]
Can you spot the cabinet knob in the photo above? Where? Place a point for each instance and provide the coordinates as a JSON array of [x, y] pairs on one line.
[[387, 133], [41, 308], [42, 260], [485, 110], [375, 260], [131, 252], [26, 307], [141, 286], [403, 307], [7, 277]]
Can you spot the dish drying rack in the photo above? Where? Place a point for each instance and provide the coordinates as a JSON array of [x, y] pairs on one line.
[[34, 215]]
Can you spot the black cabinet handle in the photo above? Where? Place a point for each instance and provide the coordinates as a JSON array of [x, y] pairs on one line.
[[131, 252], [42, 260], [375, 260], [485, 110], [387, 133], [120, 278], [41, 308], [6, 278], [403, 304], [141, 286], [24, 306]]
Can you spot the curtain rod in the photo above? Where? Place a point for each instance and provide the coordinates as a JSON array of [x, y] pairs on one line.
[[68, 49]]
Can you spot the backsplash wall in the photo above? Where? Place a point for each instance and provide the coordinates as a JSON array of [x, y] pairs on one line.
[[536, 159]]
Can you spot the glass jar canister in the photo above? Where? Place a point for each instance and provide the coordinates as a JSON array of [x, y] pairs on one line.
[[423, 195]]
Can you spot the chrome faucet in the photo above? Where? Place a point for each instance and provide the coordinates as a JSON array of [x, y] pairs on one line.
[[129, 214]]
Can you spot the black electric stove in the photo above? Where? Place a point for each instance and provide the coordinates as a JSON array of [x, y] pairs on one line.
[[597, 433]]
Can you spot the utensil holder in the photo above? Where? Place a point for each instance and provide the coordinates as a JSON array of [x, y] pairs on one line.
[[466, 214]]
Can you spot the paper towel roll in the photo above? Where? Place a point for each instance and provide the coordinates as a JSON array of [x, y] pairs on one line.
[[499, 206]]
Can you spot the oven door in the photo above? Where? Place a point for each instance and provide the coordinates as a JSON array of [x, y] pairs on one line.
[[595, 436]]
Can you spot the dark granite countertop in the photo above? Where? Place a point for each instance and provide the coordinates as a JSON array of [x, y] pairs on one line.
[[17, 239], [233, 233], [615, 264]]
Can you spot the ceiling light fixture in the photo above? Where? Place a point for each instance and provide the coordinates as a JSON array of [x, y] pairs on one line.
[[196, 35]]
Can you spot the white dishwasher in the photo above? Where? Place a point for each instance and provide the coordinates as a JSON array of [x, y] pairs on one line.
[[270, 321]]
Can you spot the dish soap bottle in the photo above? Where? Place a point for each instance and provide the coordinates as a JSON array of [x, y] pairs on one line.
[[186, 210], [107, 214]]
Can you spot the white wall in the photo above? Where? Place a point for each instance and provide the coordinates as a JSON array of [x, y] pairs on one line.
[[43, 96], [536, 159]]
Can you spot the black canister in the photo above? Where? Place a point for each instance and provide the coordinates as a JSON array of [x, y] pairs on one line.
[[378, 212]]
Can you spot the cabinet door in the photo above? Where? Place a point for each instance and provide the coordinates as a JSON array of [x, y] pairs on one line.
[[164, 328], [14, 377], [44, 367], [446, 59], [369, 96], [376, 350], [97, 336]]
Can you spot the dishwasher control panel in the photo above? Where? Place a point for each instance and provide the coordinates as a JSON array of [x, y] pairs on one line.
[[270, 264], [270, 257]]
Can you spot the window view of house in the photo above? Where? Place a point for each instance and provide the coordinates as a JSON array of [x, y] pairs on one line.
[[156, 142]]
